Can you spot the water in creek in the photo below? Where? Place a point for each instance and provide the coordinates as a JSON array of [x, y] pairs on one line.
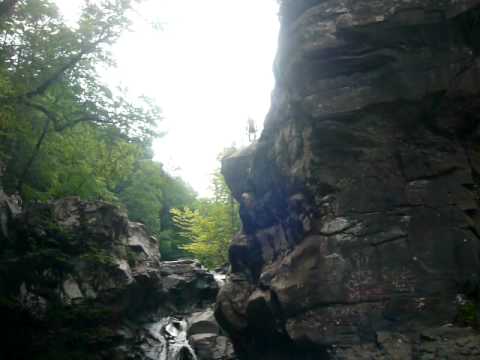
[[219, 278], [167, 340]]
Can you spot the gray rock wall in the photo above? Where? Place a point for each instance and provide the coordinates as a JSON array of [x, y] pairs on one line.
[[360, 201]]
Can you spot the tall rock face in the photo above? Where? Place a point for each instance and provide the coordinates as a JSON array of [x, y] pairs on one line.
[[360, 202]]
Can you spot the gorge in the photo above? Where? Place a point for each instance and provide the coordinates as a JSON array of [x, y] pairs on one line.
[[360, 209]]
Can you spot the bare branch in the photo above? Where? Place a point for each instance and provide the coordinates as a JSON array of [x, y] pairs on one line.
[[54, 119], [34, 155]]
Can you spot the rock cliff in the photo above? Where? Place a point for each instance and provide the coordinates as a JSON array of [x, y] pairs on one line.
[[360, 202]]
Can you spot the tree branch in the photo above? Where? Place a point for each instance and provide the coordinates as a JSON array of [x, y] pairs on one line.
[[55, 77], [54, 119], [34, 155], [50, 118]]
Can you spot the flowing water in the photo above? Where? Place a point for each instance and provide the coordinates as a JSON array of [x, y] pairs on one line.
[[219, 278], [167, 340]]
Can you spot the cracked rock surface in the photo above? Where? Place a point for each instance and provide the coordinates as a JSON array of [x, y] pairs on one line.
[[360, 202]]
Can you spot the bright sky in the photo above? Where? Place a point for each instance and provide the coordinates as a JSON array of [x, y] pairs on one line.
[[209, 69]]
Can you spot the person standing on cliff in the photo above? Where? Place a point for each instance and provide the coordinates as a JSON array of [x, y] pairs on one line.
[[252, 130]]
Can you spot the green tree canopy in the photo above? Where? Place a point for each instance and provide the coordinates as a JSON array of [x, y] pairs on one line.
[[49, 85], [210, 225], [65, 133], [149, 194]]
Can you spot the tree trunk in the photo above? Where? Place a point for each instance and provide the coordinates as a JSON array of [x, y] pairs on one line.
[[34, 155]]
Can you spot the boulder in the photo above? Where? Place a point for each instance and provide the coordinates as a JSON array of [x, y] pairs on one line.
[[207, 338], [212, 347], [203, 323]]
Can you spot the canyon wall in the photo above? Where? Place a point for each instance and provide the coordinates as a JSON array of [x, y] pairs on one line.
[[360, 201]]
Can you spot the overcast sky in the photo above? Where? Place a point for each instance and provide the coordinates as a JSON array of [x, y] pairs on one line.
[[209, 69]]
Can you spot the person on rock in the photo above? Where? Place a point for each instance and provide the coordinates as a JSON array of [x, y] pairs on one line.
[[252, 130]]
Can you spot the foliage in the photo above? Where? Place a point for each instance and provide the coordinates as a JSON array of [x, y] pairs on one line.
[[149, 194], [84, 162], [64, 133], [51, 101], [468, 314], [210, 226]]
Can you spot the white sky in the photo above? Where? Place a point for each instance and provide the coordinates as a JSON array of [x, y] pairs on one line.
[[209, 69]]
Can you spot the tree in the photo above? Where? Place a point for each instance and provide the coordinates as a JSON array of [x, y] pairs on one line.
[[64, 133], [148, 195], [209, 227], [49, 81]]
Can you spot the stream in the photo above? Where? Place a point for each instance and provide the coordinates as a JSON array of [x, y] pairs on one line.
[[167, 340]]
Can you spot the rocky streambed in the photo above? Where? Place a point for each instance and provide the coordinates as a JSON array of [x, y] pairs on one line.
[[78, 280]]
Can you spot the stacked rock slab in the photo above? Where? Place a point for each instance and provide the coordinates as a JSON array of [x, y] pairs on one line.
[[360, 202]]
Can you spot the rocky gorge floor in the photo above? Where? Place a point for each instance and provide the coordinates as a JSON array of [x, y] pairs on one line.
[[78, 280]]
